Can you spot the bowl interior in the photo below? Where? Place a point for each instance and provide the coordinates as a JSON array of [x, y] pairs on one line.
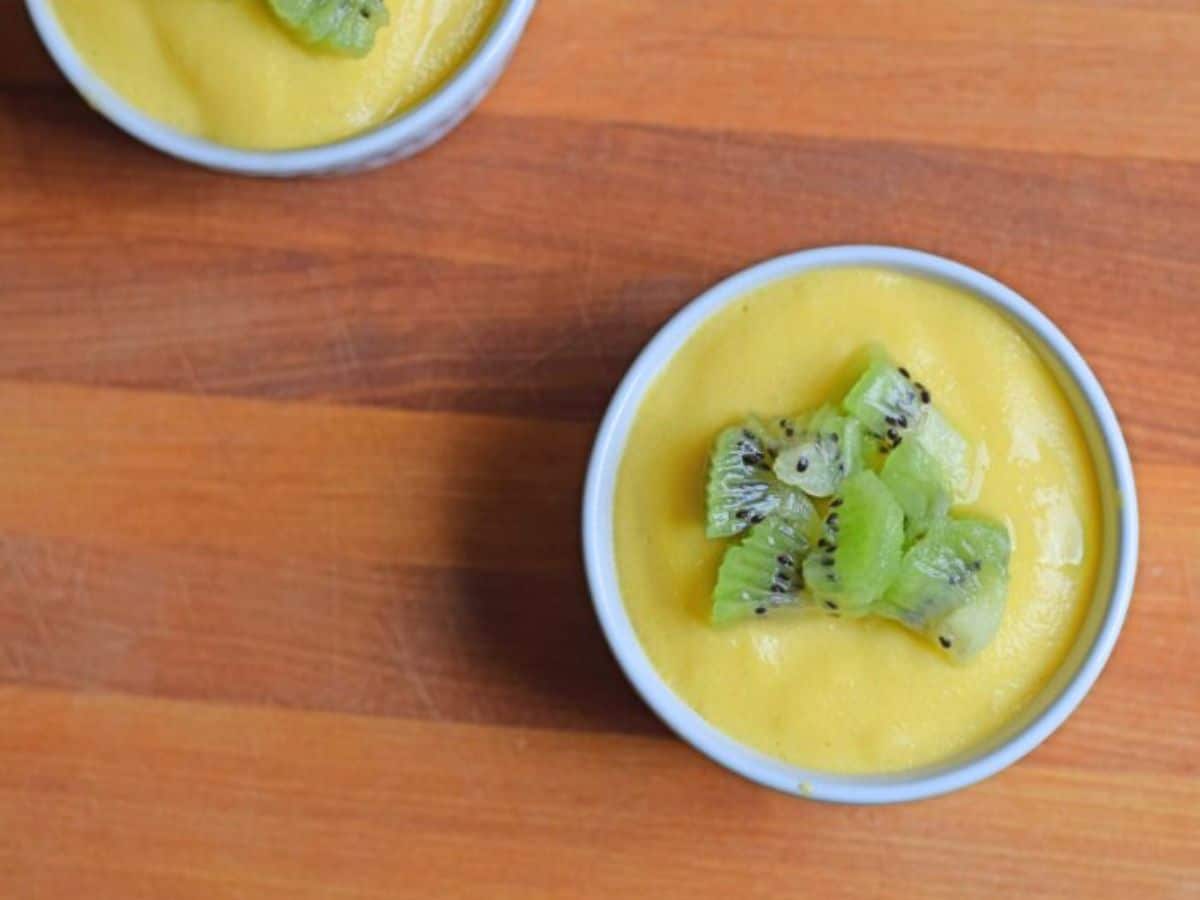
[[1114, 578]]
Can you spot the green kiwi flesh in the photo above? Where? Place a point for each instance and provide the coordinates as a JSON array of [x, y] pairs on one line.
[[828, 451], [763, 573], [951, 585], [919, 485], [886, 544], [893, 408], [946, 447], [742, 488], [345, 26], [887, 402], [858, 553]]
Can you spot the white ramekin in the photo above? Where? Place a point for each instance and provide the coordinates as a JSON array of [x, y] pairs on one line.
[[1060, 697], [407, 134]]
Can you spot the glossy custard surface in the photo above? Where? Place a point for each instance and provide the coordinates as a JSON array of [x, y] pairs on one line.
[[226, 70]]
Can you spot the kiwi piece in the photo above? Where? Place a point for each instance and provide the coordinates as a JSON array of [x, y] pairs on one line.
[[859, 550], [346, 26], [949, 449], [952, 584], [919, 485], [763, 573], [742, 487], [895, 407], [887, 402], [828, 451], [780, 432]]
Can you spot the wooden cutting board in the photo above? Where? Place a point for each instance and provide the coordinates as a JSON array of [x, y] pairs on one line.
[[290, 593]]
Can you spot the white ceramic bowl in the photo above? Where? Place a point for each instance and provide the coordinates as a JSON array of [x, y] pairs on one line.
[[1065, 690], [408, 133]]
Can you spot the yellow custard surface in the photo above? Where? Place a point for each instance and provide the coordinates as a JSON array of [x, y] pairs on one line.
[[228, 71], [861, 696]]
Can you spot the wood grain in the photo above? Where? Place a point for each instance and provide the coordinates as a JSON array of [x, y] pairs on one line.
[[290, 593], [1093, 78], [309, 805]]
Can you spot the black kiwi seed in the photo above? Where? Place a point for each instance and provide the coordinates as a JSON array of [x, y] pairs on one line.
[[784, 560], [749, 435], [834, 437], [944, 641], [897, 442], [830, 604], [976, 565], [802, 464], [741, 514], [827, 561], [790, 432], [756, 518], [760, 611], [891, 420], [837, 501], [893, 435], [902, 421], [750, 459], [904, 372], [832, 521], [823, 544], [925, 395]]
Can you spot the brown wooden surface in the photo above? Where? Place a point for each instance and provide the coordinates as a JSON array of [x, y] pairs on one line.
[[290, 593]]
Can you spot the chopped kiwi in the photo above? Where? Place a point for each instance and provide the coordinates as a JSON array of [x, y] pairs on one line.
[[947, 448], [887, 402], [742, 487], [763, 573], [948, 585], [345, 26], [919, 485], [828, 451], [894, 408], [951, 585], [859, 550], [780, 432]]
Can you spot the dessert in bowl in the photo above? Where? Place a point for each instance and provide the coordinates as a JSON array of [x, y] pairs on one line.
[[789, 623], [283, 87]]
